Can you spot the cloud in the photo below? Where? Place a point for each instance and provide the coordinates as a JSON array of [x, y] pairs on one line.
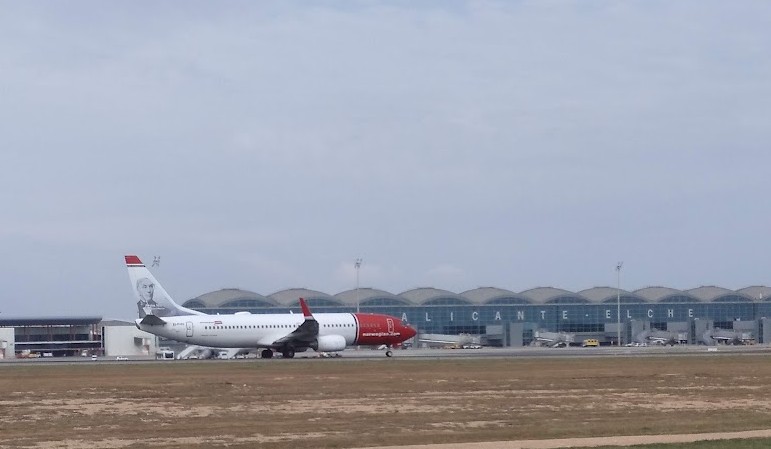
[[536, 142]]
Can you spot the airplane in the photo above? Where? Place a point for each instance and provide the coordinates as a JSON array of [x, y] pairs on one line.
[[723, 336], [285, 333], [449, 340], [554, 339], [657, 337]]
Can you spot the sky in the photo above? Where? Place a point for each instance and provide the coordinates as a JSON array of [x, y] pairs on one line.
[[449, 144]]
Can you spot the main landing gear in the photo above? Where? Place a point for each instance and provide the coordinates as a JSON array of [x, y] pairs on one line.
[[287, 352]]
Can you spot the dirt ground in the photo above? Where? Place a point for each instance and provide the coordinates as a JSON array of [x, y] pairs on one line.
[[386, 402]]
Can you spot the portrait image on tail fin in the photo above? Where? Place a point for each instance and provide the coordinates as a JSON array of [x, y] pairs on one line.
[[147, 305], [151, 298]]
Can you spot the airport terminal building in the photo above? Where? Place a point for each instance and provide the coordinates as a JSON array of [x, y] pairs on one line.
[[489, 316], [31, 337], [498, 317]]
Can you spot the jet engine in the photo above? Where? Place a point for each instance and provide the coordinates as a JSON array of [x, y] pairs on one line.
[[329, 343]]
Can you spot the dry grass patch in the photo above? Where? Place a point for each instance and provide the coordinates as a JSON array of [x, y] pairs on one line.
[[350, 403]]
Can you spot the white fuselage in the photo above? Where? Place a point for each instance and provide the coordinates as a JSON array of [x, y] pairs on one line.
[[244, 330]]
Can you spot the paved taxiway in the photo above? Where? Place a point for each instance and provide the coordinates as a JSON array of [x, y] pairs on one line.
[[352, 353], [557, 352]]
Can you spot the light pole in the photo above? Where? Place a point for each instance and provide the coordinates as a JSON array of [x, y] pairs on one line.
[[357, 265], [618, 302]]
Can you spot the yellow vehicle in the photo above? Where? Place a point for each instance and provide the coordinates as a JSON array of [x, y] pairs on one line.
[[590, 342]]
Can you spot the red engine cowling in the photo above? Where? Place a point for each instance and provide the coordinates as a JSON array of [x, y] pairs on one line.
[[329, 343]]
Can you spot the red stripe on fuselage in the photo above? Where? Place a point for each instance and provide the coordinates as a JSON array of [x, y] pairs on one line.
[[377, 329]]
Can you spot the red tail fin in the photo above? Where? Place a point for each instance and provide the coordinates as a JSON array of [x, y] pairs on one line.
[[133, 260]]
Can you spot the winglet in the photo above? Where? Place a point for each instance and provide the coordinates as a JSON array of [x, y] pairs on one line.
[[306, 311]]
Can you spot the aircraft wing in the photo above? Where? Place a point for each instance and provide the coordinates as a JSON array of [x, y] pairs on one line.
[[438, 340], [304, 335]]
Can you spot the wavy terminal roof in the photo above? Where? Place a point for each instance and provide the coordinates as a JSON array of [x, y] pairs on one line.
[[234, 298]]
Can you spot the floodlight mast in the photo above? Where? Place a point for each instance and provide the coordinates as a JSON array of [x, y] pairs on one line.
[[357, 265], [618, 302]]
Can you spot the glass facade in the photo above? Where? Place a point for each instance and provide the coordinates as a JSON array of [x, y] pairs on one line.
[[57, 340], [560, 312]]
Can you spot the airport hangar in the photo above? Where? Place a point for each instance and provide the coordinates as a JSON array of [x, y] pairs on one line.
[[499, 317]]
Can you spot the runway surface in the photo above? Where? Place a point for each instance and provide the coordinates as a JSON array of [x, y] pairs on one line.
[[367, 353]]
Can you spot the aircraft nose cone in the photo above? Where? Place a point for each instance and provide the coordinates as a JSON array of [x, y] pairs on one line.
[[409, 331]]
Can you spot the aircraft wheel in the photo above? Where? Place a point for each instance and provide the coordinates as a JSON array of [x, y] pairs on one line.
[[288, 352], [267, 354], [389, 353]]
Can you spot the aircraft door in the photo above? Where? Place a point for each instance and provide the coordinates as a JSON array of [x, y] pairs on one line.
[[390, 323], [189, 329]]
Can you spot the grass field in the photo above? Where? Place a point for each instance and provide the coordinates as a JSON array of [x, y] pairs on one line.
[[356, 403]]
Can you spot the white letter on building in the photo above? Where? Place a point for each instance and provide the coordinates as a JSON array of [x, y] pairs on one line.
[[498, 315], [564, 314], [475, 316], [607, 313], [650, 313], [670, 313], [404, 317], [427, 318], [520, 315], [543, 314], [690, 313]]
